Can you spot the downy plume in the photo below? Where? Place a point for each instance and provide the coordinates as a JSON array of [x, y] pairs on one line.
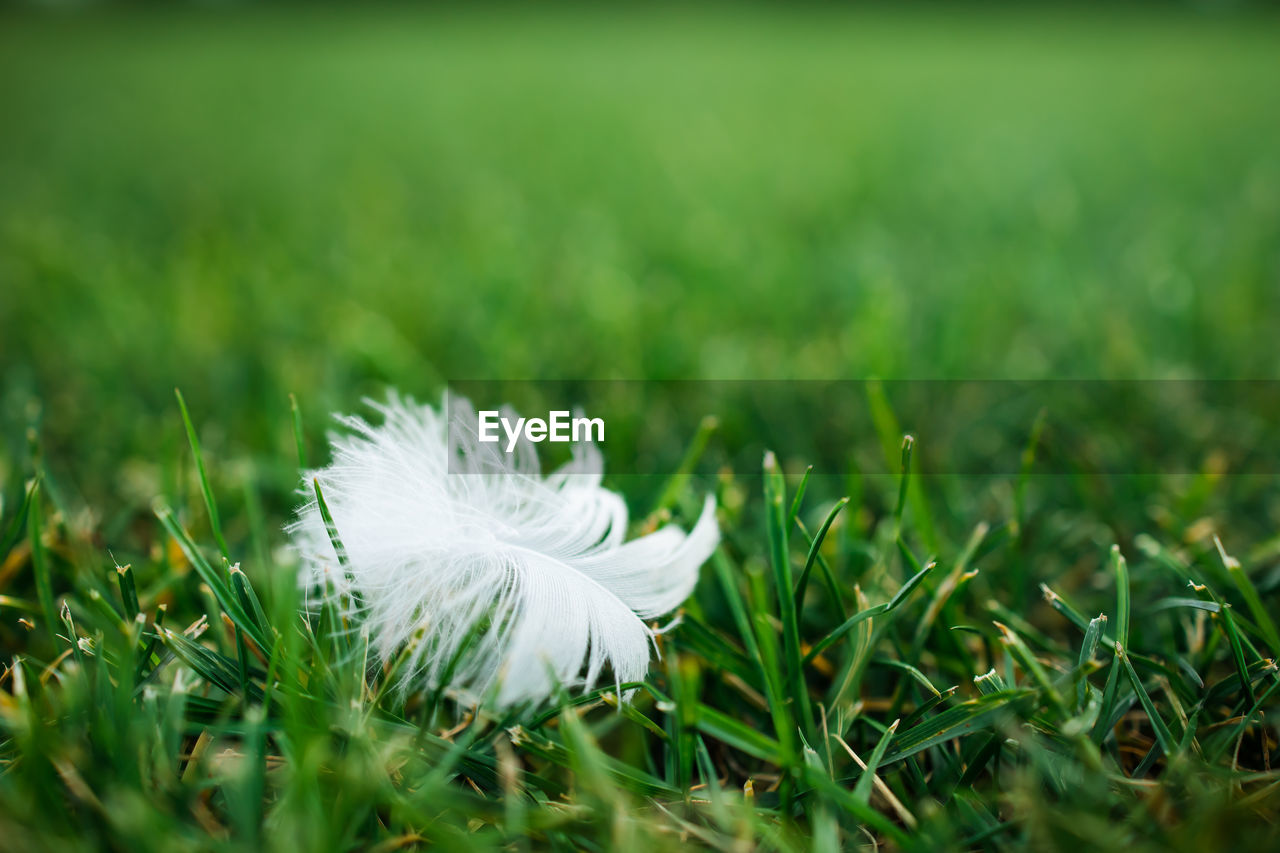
[[457, 549]]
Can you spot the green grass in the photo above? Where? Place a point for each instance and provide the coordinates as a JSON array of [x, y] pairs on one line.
[[250, 204]]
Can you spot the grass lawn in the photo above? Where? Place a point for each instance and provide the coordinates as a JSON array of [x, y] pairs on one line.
[[251, 203]]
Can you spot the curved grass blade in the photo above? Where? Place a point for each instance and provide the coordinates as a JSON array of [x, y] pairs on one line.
[[1018, 648], [957, 577], [893, 603], [799, 498], [216, 581], [1087, 649], [249, 600], [218, 670], [910, 670], [813, 549], [862, 790], [1237, 652], [18, 523], [1163, 735], [828, 577], [965, 718], [215, 522], [928, 705], [1266, 625], [338, 629]]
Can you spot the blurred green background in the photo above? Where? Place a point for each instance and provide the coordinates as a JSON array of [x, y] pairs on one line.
[[248, 202]]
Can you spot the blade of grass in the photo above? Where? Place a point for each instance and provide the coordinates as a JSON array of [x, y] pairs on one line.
[[928, 705], [632, 713], [73, 638], [1251, 598], [965, 718], [1106, 713], [697, 637], [904, 481], [779, 555], [18, 524], [738, 735], [899, 597], [1024, 473], [596, 696], [862, 790], [1227, 623], [128, 591], [249, 601], [215, 580], [910, 670], [1237, 651], [213, 667], [679, 481], [335, 540], [862, 642], [40, 564], [844, 800], [1120, 568], [107, 610], [624, 775], [299, 437], [1110, 693], [737, 608], [214, 521], [1163, 735], [781, 712], [824, 829], [1018, 648], [958, 575], [828, 577], [1087, 649], [813, 550], [891, 438], [799, 498]]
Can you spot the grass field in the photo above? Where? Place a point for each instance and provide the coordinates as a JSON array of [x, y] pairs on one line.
[[251, 203]]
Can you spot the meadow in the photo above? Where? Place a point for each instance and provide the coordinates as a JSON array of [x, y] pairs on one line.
[[282, 210]]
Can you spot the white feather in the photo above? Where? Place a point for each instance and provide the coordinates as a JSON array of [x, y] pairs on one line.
[[445, 535]]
